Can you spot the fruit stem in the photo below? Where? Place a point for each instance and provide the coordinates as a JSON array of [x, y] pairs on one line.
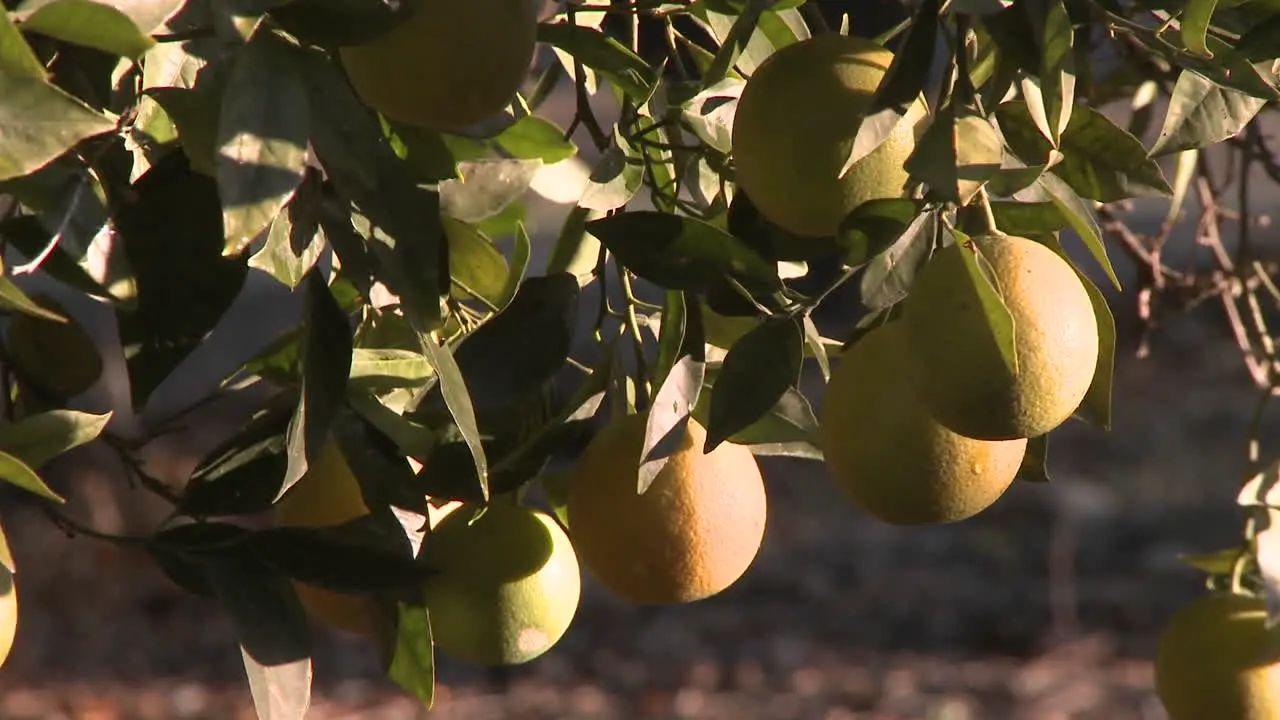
[[1237, 572], [984, 201], [637, 341]]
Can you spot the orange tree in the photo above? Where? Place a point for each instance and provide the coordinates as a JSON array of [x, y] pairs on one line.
[[752, 162]]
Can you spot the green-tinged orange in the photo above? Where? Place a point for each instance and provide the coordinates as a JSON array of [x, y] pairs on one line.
[[449, 64], [8, 612], [505, 586], [690, 535], [794, 128], [956, 363], [1218, 661], [888, 455]]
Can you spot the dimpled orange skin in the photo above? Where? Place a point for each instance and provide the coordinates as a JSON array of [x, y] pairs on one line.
[[691, 535], [957, 370], [1218, 661], [794, 127], [888, 455], [449, 64], [328, 494]]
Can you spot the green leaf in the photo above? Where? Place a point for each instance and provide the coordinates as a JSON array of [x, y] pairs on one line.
[[521, 251], [608, 57], [710, 113], [789, 429], [293, 244], [387, 368], [18, 473], [412, 439], [16, 56], [1035, 463], [514, 353], [532, 137], [476, 267], [756, 372], [262, 138], [412, 664], [326, 364], [37, 439], [1056, 82], [668, 416], [194, 112], [1259, 41], [360, 556], [1194, 22], [908, 74], [775, 29], [990, 297], [426, 150], [27, 235], [875, 225], [457, 398], [615, 179], [735, 41], [14, 299], [337, 23], [889, 274], [1101, 161], [670, 334], [85, 22], [486, 187], [1227, 67], [40, 123], [275, 640], [1019, 218], [1081, 218], [1202, 114], [682, 253], [956, 155]]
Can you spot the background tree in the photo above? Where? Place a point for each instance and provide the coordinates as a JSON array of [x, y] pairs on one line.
[[152, 154]]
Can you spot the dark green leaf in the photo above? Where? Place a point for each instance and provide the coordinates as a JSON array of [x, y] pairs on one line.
[[178, 551], [293, 244], [476, 268], [1056, 78], [26, 234], [1101, 161], [364, 555], [262, 138], [682, 253], [521, 251], [756, 372], [426, 150], [1259, 42], [336, 23], [1022, 218], [956, 155], [621, 67], [875, 225], [16, 56], [889, 274], [456, 395], [671, 334], [1081, 218], [39, 438], [789, 429], [986, 291], [1202, 114], [413, 439], [326, 365], [908, 75]]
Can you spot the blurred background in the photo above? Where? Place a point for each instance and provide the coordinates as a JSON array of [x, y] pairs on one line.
[[1046, 607]]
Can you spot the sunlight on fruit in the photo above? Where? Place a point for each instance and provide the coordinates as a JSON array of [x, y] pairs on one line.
[[955, 363], [8, 612], [691, 535], [506, 586], [887, 453]]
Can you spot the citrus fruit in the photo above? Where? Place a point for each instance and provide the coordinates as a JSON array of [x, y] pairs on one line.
[[8, 612], [794, 128], [505, 587], [58, 357], [449, 64], [691, 534], [889, 456], [1217, 661], [327, 495], [955, 361]]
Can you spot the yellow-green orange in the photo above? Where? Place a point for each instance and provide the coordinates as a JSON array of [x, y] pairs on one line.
[[890, 457], [1217, 661], [506, 585], [956, 363], [328, 494], [449, 64], [8, 613], [794, 128], [691, 534]]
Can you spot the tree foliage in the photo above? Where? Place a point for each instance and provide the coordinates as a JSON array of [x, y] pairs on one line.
[[189, 142]]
